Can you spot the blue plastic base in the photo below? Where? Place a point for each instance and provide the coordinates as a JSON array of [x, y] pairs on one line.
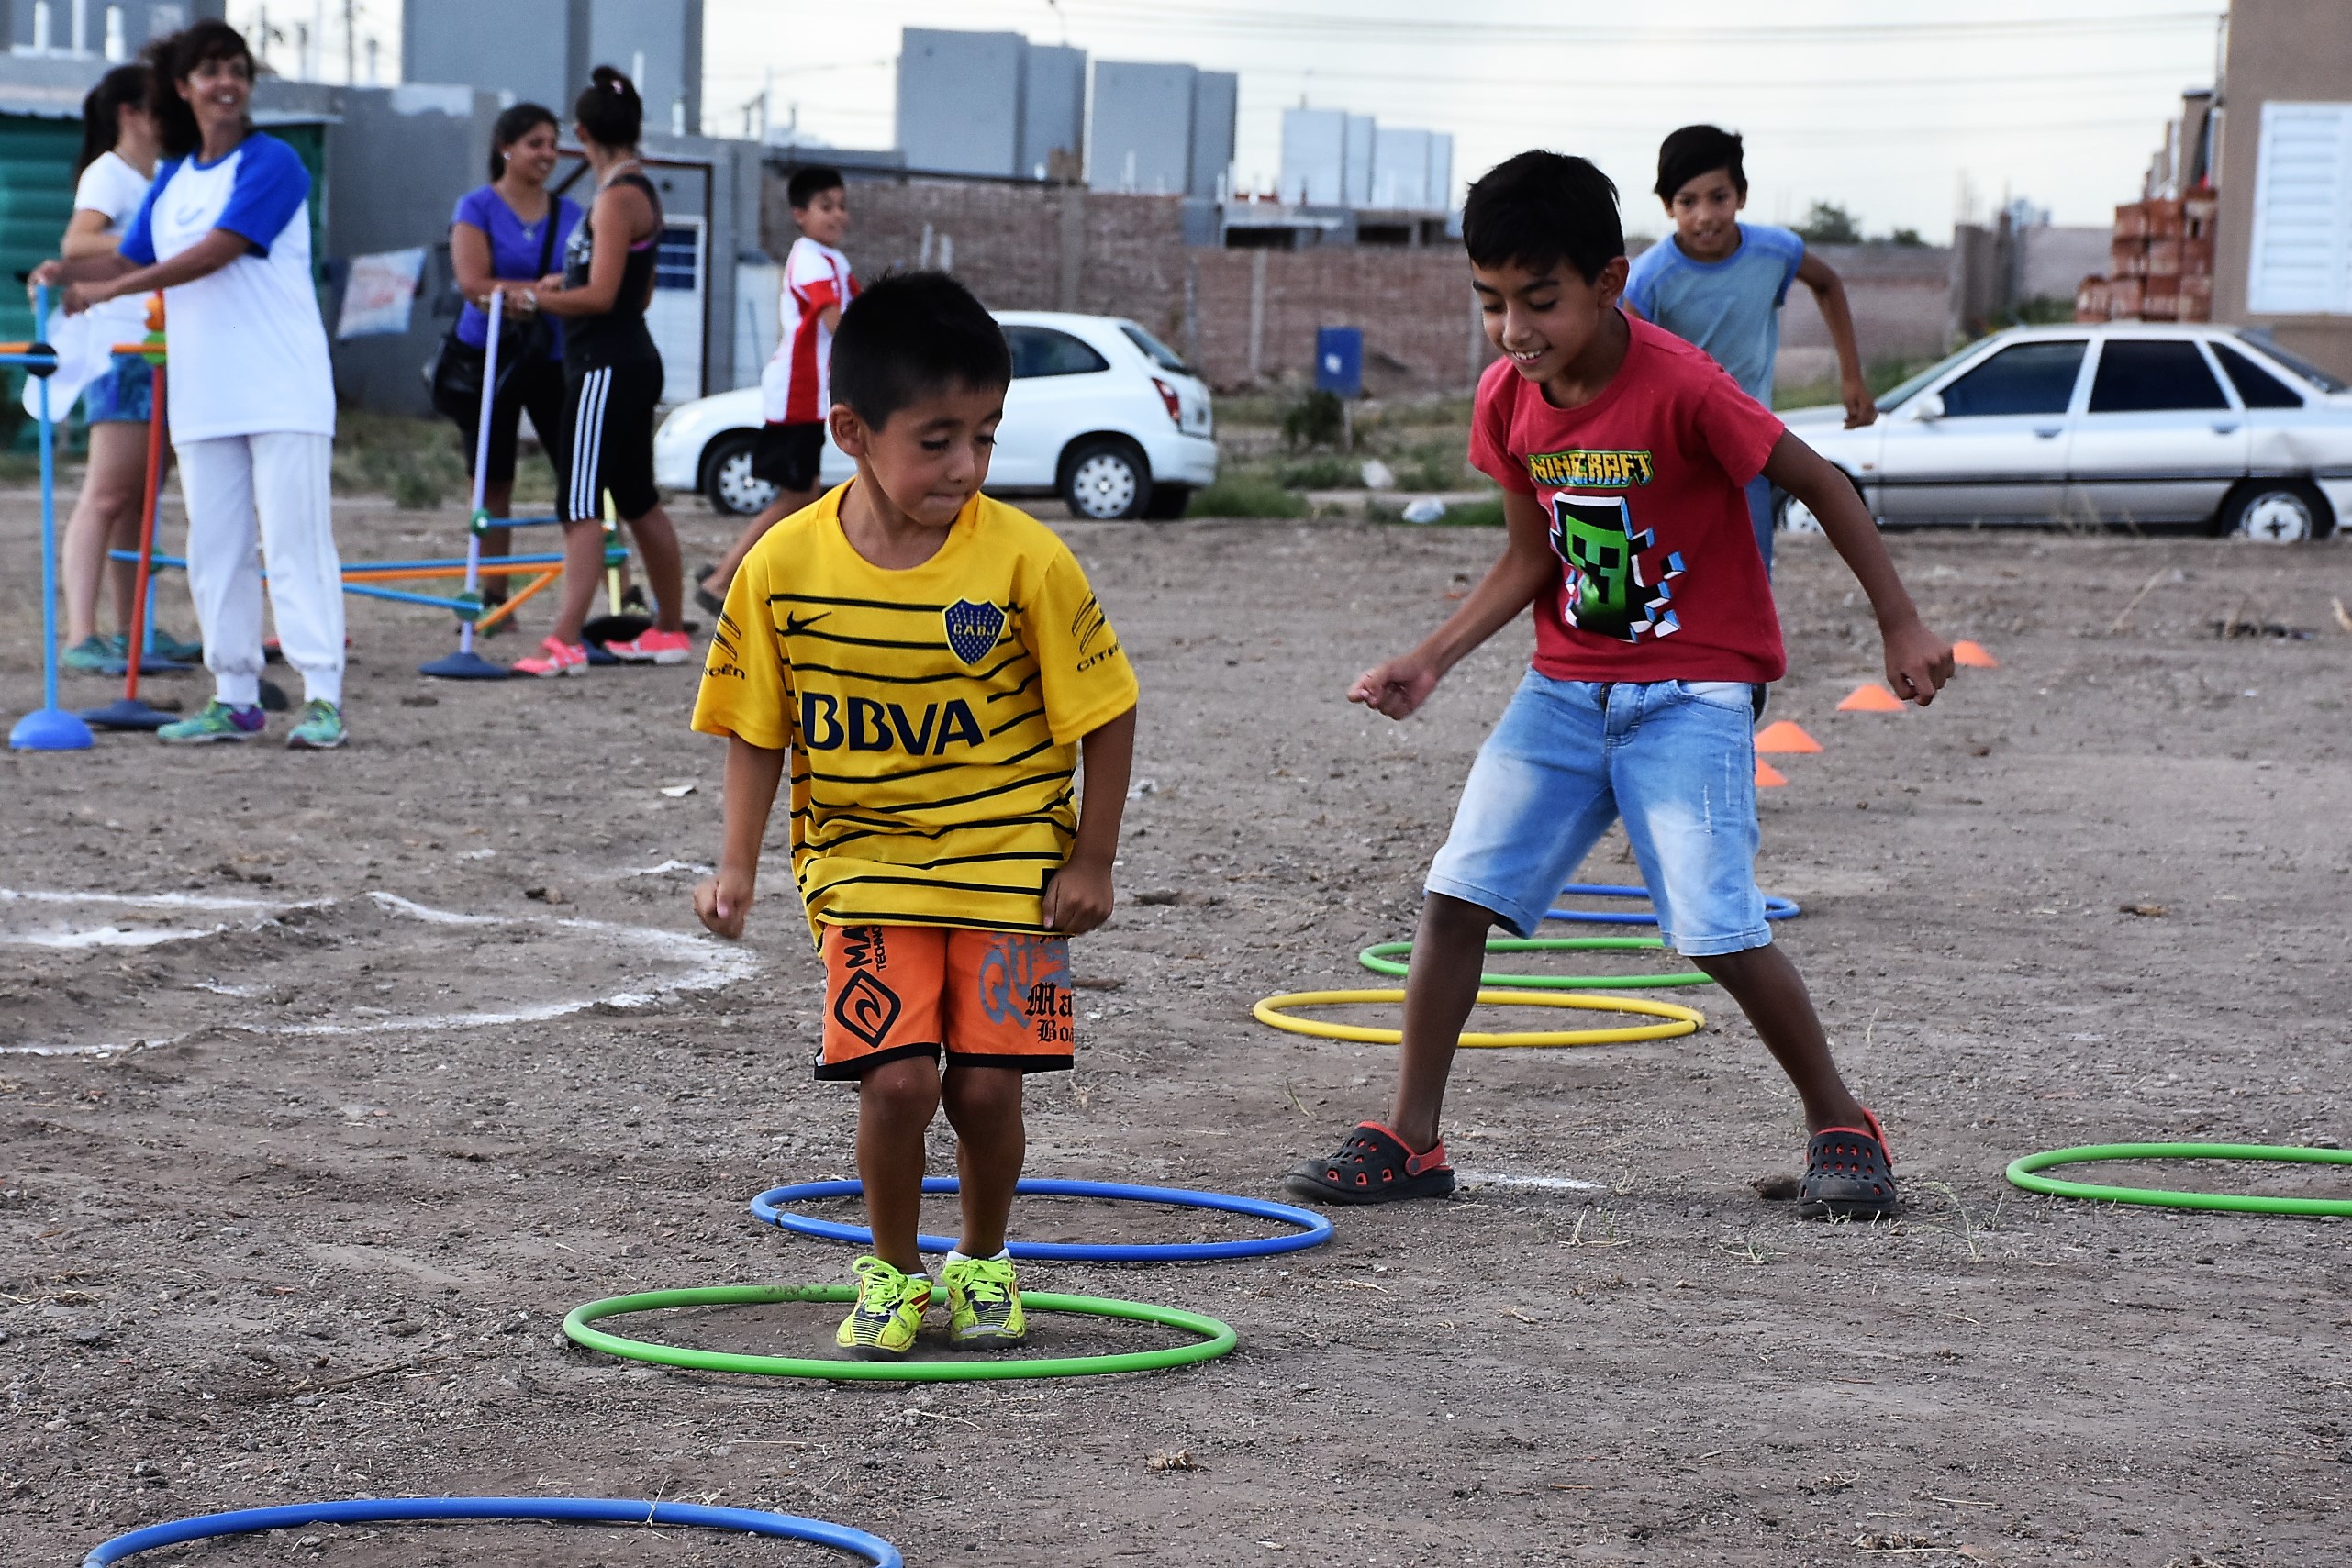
[[857, 1543], [1313, 1229], [463, 667], [596, 655], [127, 713], [153, 664], [50, 730]]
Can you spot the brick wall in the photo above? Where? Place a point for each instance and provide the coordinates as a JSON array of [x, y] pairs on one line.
[[1413, 305], [1024, 246]]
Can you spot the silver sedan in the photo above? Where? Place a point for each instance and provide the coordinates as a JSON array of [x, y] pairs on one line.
[[2115, 423]]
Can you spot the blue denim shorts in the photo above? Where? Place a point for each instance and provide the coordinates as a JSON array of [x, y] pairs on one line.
[[1675, 760], [124, 395]]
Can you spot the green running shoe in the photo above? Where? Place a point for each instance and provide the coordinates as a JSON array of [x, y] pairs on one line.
[[89, 655], [889, 1312], [217, 722], [171, 648], [983, 1303], [320, 729]]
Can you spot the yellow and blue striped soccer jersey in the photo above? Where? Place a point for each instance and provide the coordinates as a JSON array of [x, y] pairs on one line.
[[932, 715]]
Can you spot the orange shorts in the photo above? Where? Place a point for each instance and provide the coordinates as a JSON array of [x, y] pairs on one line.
[[987, 999]]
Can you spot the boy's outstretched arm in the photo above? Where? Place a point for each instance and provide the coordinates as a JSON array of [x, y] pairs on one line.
[[1829, 293], [1078, 898], [1918, 661], [1401, 685], [748, 796]]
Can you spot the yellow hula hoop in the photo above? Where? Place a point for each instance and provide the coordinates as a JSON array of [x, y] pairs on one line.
[[1680, 1020]]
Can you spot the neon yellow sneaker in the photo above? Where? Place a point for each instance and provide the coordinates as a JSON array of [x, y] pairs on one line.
[[889, 1312], [983, 1303]]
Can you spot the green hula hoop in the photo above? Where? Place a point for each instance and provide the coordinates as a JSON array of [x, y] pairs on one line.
[[1216, 1339], [1380, 958], [2022, 1174]]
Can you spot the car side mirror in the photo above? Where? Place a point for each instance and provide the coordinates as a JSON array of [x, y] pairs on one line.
[[1929, 407]]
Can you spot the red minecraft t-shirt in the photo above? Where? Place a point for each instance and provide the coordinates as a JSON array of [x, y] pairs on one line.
[[1660, 579]]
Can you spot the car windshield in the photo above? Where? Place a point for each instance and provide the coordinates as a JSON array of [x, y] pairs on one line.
[[1159, 353], [1895, 397], [2303, 368]]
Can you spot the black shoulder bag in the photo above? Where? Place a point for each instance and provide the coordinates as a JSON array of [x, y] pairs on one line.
[[454, 375]]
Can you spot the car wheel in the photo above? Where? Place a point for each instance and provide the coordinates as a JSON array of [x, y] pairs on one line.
[[1167, 503], [727, 478], [1105, 479], [1794, 516], [2277, 511]]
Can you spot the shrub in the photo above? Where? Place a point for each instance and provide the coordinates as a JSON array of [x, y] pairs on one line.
[[1325, 471], [1313, 421], [1244, 495]]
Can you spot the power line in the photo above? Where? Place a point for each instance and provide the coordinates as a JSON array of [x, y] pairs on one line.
[[1193, 18]]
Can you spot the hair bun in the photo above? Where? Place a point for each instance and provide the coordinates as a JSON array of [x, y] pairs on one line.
[[614, 81]]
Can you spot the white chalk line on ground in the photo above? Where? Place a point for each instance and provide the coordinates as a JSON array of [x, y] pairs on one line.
[[1539, 1184], [709, 965]]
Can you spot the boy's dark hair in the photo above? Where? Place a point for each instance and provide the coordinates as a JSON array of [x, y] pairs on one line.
[[173, 59], [1540, 209], [514, 122], [609, 109], [1697, 149], [807, 185], [910, 335], [123, 87]]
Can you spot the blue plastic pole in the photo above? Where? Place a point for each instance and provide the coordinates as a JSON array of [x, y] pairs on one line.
[[466, 665], [51, 727]]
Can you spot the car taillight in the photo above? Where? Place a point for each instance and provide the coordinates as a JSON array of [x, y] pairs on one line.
[[1175, 404]]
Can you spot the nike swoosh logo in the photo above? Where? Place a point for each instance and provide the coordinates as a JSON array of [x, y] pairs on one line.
[[793, 624]]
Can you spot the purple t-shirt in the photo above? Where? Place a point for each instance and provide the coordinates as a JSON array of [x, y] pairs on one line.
[[515, 251]]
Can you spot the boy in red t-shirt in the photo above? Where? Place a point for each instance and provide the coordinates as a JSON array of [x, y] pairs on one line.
[[1622, 452]]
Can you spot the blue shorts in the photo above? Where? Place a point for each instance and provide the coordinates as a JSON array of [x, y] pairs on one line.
[[1675, 760], [124, 395]]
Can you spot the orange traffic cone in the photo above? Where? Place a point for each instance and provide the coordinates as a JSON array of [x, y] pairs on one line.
[[1870, 697], [1973, 655], [1769, 777], [1785, 735]]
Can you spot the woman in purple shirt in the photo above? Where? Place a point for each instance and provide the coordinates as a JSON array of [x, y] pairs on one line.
[[499, 241]]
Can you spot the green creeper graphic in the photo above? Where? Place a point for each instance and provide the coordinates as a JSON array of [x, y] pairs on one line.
[[1619, 585], [1595, 538]]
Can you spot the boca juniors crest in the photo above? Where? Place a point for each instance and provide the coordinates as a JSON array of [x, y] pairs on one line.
[[972, 630]]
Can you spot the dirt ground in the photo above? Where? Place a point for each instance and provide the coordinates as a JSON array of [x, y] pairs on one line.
[[331, 1080]]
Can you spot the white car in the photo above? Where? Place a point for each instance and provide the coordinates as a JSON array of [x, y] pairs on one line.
[[1099, 413], [2118, 422]]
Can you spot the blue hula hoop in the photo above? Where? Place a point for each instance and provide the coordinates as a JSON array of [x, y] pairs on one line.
[[1775, 908], [870, 1548], [1313, 1228]]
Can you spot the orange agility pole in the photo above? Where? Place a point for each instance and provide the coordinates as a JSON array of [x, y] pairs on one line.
[[129, 712]]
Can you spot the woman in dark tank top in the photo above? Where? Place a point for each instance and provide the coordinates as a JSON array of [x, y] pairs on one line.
[[612, 375]]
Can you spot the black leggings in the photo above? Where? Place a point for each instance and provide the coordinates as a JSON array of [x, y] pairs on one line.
[[609, 411], [536, 387]]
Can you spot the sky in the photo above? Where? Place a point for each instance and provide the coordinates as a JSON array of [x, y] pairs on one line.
[[1900, 111], [1908, 114]]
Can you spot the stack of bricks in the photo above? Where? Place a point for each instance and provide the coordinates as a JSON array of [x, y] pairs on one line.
[[2160, 265]]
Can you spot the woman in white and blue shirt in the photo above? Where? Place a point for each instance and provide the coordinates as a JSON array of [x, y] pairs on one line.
[[224, 233]]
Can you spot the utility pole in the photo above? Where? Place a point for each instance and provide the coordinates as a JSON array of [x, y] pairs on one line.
[[350, 41]]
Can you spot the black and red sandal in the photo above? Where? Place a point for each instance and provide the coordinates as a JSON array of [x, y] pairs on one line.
[[1373, 1166], [1849, 1174]]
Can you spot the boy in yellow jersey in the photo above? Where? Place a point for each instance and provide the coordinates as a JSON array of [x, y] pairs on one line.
[[934, 669]]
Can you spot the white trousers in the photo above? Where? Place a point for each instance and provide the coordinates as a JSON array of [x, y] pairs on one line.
[[251, 497]]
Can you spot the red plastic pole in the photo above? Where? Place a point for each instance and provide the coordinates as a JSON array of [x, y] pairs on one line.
[[136, 651]]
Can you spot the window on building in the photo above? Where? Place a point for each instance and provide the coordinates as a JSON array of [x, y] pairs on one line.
[[2153, 375], [2299, 260], [1041, 351], [2029, 378], [2256, 387]]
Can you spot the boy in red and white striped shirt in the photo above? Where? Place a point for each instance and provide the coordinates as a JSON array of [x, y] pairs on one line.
[[794, 390]]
